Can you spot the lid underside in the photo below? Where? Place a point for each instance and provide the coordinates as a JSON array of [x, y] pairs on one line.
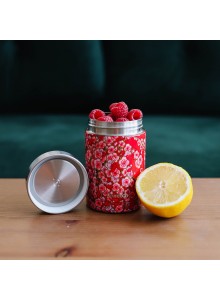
[[58, 183]]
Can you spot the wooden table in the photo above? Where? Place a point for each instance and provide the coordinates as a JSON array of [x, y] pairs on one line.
[[27, 233]]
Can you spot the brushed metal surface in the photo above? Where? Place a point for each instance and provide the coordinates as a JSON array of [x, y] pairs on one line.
[[56, 181], [115, 128]]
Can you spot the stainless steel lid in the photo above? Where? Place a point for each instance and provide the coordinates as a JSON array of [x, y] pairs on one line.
[[57, 182]]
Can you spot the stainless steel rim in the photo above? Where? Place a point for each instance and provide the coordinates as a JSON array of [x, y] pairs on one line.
[[66, 198], [115, 128]]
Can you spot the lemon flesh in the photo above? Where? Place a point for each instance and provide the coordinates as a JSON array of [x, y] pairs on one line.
[[165, 189]]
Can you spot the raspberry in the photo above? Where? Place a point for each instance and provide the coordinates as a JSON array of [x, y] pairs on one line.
[[110, 115], [119, 110], [122, 120], [134, 114], [96, 113], [112, 105], [105, 119]]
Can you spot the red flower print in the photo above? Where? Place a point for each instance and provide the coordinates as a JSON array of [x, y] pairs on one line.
[[110, 156], [101, 145], [104, 180], [140, 159], [108, 164], [121, 191], [121, 144], [111, 149], [116, 187], [108, 173], [98, 153], [92, 186], [126, 181], [94, 180], [92, 163], [102, 188], [132, 181], [129, 174], [101, 174], [136, 154], [98, 164], [124, 162], [110, 139], [90, 173], [103, 159], [112, 165], [119, 208], [115, 173], [127, 147], [106, 192], [98, 203], [115, 157], [124, 172], [115, 179], [137, 164], [88, 154], [127, 199]]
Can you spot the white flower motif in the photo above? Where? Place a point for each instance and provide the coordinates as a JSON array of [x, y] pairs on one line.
[[124, 172], [126, 181], [136, 155], [137, 164], [128, 148], [121, 144], [124, 162]]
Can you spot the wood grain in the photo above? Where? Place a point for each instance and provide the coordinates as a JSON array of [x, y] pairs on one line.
[[27, 233]]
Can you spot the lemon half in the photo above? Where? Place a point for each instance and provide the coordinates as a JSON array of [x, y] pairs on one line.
[[165, 189]]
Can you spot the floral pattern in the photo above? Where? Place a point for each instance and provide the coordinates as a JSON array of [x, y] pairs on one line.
[[113, 164]]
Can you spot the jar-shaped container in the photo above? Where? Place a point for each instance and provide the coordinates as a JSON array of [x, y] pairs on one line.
[[115, 156]]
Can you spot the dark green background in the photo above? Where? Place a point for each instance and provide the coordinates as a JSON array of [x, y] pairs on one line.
[[47, 89]]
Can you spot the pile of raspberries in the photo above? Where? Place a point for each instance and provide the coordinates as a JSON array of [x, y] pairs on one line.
[[118, 113]]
